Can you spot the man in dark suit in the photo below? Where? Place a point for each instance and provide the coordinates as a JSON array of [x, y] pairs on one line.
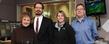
[[42, 26]]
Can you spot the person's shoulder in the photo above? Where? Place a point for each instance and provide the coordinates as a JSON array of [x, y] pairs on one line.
[[16, 29], [89, 17], [91, 20], [67, 23], [47, 19]]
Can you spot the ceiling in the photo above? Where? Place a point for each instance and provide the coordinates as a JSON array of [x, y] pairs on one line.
[[32, 1]]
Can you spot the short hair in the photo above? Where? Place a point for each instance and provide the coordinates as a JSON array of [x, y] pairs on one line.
[[39, 3], [80, 4], [24, 14]]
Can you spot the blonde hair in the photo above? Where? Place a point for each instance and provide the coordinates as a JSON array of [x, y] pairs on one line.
[[63, 14]]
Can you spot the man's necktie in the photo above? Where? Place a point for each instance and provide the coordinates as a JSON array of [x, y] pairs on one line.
[[37, 25]]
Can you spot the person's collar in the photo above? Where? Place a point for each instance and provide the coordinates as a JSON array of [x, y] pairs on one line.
[[25, 28], [80, 19], [60, 24], [39, 16]]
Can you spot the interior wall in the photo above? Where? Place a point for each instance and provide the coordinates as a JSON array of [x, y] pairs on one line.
[[8, 10]]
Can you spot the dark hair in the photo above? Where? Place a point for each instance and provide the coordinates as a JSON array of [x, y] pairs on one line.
[[80, 4], [39, 3]]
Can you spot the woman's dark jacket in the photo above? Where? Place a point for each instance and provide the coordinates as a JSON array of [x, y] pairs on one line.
[[66, 35], [23, 35]]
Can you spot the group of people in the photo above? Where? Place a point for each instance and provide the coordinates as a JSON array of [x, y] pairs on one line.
[[42, 30]]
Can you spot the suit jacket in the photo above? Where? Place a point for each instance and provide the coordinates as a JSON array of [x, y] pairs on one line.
[[45, 34]]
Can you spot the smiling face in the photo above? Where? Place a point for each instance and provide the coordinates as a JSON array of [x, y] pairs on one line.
[[80, 11], [26, 21], [60, 17], [38, 9]]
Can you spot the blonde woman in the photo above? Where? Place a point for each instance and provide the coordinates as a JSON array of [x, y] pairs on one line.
[[63, 32]]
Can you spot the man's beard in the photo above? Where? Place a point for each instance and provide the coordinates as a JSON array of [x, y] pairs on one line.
[[38, 13]]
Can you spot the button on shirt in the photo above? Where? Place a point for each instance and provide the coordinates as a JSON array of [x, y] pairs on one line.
[[40, 21], [86, 30]]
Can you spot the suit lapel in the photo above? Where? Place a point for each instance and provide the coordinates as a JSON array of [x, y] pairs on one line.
[[42, 27]]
